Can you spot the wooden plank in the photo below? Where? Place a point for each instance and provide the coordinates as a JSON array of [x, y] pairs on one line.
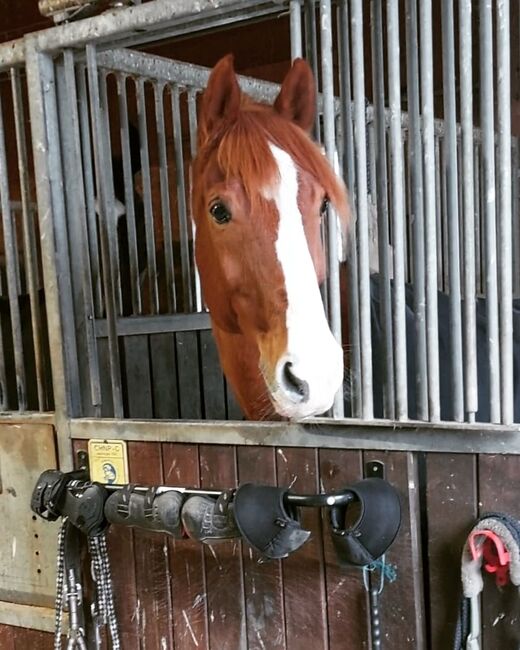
[[213, 388], [189, 375], [451, 503], [190, 621], [402, 601], [164, 374], [27, 542], [498, 492], [138, 377], [25, 639], [224, 577], [153, 607], [36, 618], [7, 634], [303, 571], [263, 583], [346, 595]]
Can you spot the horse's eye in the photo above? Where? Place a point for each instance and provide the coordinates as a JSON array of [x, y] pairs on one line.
[[324, 206], [220, 213]]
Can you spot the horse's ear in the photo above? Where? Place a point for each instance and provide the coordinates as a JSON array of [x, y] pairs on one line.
[[221, 99], [297, 98]]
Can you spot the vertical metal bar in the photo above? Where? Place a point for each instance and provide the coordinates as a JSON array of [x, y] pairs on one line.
[[439, 212], [349, 172], [399, 306], [114, 205], [416, 207], [45, 144], [452, 204], [77, 221], [181, 199], [90, 203], [192, 121], [383, 226], [295, 9], [151, 266], [477, 201], [130, 212], [466, 120], [104, 191], [426, 71], [311, 48], [29, 238], [515, 198], [12, 285], [488, 189], [504, 216], [362, 208], [330, 148], [158, 90]]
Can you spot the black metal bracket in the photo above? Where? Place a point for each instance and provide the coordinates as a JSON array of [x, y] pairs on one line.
[[374, 469]]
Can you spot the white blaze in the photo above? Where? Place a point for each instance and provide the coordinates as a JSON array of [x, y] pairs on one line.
[[315, 355]]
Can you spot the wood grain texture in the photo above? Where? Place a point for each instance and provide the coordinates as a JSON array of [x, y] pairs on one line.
[[263, 583], [346, 598], [153, 607], [223, 561], [303, 571], [499, 485], [402, 601], [190, 615], [451, 497]]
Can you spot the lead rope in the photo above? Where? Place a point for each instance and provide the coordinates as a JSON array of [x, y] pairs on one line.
[[104, 591], [60, 576], [104, 607]]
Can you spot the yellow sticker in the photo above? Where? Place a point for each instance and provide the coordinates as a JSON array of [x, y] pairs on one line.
[[108, 461]]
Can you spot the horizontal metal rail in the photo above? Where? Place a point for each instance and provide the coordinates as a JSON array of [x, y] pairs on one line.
[[323, 433]]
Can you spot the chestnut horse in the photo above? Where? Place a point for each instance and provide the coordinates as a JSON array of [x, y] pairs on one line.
[[260, 190]]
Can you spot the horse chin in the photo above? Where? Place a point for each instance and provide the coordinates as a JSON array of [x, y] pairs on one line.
[[298, 411]]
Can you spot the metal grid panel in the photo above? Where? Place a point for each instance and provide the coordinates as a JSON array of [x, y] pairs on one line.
[[24, 371]]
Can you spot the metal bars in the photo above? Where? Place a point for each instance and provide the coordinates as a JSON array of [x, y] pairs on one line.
[[468, 208], [489, 203], [427, 186]]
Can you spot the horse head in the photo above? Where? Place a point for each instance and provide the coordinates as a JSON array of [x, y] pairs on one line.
[[260, 190]]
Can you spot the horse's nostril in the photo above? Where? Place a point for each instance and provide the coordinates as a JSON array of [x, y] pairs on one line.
[[294, 384]]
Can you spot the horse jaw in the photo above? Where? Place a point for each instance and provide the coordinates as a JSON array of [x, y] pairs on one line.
[[313, 357]]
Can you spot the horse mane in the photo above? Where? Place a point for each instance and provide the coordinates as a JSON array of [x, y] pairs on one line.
[[242, 148]]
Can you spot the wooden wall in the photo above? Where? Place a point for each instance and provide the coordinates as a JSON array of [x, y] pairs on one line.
[[185, 596]]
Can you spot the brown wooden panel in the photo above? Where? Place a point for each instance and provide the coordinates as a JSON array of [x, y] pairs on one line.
[[153, 607], [224, 579], [499, 486], [303, 571], [262, 581], [347, 603], [451, 503], [7, 634], [25, 639], [402, 602], [190, 622]]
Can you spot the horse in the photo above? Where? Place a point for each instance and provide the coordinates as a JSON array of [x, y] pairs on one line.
[[261, 188]]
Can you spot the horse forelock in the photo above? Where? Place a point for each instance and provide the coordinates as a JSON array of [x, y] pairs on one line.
[[243, 152]]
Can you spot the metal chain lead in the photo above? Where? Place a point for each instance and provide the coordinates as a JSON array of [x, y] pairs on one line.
[[60, 577], [105, 596]]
